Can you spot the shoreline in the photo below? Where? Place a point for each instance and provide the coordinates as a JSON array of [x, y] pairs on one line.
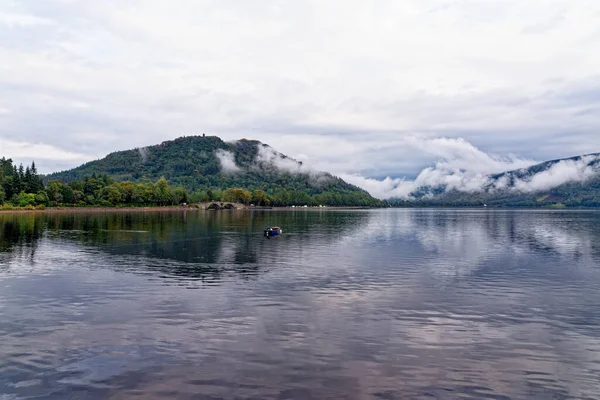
[[50, 210], [67, 210], [154, 209], [171, 209]]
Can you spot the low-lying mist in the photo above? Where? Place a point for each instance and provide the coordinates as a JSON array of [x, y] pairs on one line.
[[465, 168], [270, 160], [460, 166]]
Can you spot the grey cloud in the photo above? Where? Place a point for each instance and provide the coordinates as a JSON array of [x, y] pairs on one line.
[[142, 73]]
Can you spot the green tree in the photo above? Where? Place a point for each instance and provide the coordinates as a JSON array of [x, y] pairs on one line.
[[217, 195], [36, 184], [128, 192], [237, 195], [210, 195], [27, 181], [144, 193], [245, 196], [112, 194], [180, 195], [199, 196], [230, 195], [259, 198], [54, 191], [41, 198], [163, 194], [25, 199], [67, 194]]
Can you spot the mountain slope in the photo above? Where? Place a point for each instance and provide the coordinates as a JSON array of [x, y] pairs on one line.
[[201, 163], [569, 182]]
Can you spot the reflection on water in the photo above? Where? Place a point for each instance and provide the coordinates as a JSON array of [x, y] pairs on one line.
[[346, 304]]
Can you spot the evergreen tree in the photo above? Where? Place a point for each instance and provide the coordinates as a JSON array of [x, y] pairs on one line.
[[17, 182], [27, 178]]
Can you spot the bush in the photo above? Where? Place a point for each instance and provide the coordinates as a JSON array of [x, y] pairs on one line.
[[40, 207], [41, 198], [25, 199], [29, 207], [8, 206]]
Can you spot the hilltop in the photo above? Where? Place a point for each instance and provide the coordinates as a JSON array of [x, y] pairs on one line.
[[202, 163]]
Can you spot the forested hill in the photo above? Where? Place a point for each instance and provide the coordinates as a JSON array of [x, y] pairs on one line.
[[202, 163], [569, 182]]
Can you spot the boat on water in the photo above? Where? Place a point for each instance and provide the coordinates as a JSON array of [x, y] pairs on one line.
[[273, 231]]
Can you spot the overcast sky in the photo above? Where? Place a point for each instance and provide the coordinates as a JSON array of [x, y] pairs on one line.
[[352, 87]]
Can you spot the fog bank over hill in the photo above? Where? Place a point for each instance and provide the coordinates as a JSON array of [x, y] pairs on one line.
[[463, 168], [460, 166]]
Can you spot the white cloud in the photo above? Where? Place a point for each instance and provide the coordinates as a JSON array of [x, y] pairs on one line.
[[80, 104], [560, 173], [270, 157], [465, 168], [4, 111], [95, 136], [37, 150], [18, 20], [460, 166], [382, 189], [41, 153], [227, 161]]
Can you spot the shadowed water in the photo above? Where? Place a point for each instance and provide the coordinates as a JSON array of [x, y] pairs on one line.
[[409, 303]]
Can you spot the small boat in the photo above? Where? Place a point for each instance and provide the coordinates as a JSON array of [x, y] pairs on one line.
[[273, 231]]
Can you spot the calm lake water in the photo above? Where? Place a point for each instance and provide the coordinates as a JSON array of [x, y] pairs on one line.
[[358, 304]]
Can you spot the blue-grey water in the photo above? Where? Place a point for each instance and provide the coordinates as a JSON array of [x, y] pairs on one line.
[[364, 304]]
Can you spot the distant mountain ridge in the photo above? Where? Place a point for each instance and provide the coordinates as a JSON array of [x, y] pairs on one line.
[[207, 162], [568, 182], [590, 160]]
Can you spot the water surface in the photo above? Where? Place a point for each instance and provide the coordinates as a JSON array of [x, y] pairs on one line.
[[361, 304]]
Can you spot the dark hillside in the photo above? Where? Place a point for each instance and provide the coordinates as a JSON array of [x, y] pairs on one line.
[[209, 163]]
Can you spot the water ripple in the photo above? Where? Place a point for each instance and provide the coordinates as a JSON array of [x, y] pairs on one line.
[[380, 304]]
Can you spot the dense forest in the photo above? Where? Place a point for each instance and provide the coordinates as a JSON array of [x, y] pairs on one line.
[[130, 179], [20, 186], [104, 191], [195, 164]]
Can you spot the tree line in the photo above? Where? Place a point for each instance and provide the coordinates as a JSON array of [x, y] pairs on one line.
[[24, 187], [20, 186]]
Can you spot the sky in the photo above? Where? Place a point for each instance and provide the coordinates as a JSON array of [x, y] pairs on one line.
[[367, 90]]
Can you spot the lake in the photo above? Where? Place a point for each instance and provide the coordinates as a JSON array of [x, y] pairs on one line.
[[360, 304]]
